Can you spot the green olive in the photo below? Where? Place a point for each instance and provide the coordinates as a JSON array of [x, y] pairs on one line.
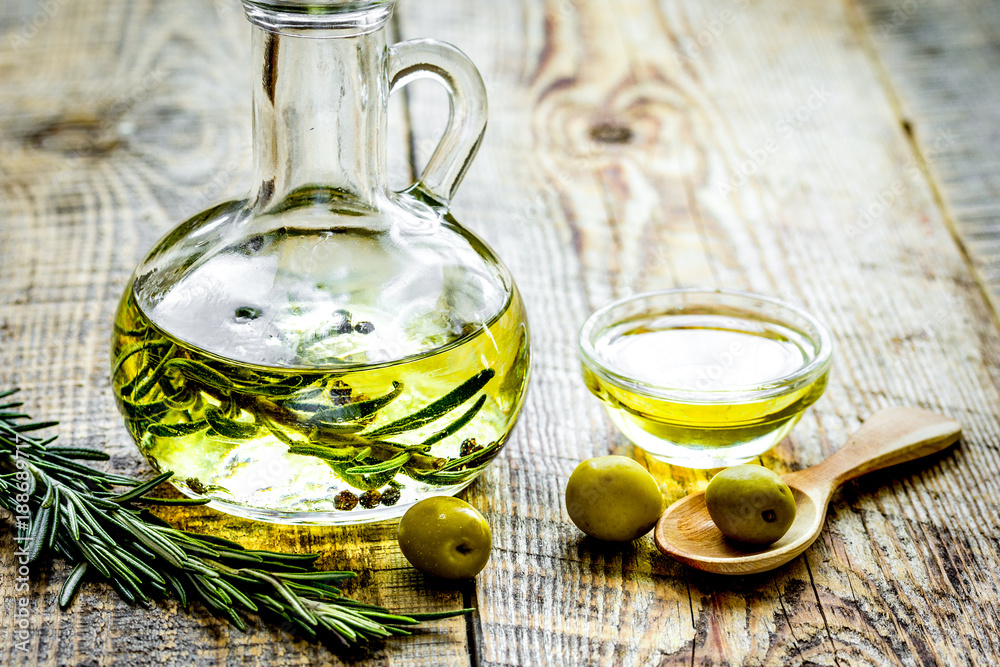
[[750, 503], [613, 498], [445, 537]]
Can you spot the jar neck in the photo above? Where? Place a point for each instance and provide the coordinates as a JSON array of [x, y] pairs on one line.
[[319, 112]]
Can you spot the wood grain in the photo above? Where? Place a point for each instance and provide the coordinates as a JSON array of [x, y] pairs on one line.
[[120, 119], [632, 145], [607, 140], [942, 69]]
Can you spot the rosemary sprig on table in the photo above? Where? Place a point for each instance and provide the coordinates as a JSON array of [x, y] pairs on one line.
[[62, 505]]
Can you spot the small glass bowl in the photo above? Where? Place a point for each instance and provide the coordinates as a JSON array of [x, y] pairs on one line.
[[705, 378]]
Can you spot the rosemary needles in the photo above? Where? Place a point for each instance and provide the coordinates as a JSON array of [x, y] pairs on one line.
[[63, 505]]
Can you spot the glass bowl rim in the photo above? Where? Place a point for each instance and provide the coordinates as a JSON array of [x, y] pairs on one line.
[[818, 363]]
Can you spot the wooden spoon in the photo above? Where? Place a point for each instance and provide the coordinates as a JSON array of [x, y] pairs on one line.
[[897, 435]]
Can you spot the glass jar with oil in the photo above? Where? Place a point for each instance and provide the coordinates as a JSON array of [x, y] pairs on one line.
[[705, 378], [326, 350]]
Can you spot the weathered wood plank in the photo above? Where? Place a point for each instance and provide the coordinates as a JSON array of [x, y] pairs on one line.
[[118, 120], [630, 148], [641, 145], [941, 62]]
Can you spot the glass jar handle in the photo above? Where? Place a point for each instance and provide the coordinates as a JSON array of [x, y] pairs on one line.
[[428, 58]]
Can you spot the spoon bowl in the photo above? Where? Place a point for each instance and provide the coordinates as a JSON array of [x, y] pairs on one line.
[[687, 533]]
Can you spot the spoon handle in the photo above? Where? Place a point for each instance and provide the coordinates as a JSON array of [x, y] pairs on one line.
[[894, 435]]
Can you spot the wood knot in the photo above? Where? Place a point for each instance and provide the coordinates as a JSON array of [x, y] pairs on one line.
[[76, 136], [610, 133]]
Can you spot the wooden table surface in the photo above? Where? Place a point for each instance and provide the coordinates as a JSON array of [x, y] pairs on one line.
[[839, 153]]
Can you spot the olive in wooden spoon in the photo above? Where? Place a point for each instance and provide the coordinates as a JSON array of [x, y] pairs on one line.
[[897, 435]]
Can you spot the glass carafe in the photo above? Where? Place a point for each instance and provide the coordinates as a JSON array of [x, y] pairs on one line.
[[327, 350]]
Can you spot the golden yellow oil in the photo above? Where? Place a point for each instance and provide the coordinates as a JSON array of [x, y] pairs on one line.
[[336, 443], [703, 390]]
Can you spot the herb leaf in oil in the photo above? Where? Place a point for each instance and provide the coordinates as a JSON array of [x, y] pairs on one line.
[[312, 413]]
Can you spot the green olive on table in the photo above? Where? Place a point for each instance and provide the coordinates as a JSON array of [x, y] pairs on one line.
[[750, 503], [445, 537], [613, 498]]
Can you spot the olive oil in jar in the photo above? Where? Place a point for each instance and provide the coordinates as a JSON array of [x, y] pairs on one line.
[[335, 443]]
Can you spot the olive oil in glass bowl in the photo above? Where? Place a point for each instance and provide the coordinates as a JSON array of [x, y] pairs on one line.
[[705, 378]]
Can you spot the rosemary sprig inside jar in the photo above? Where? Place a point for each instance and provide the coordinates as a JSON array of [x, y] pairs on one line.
[[273, 442]]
